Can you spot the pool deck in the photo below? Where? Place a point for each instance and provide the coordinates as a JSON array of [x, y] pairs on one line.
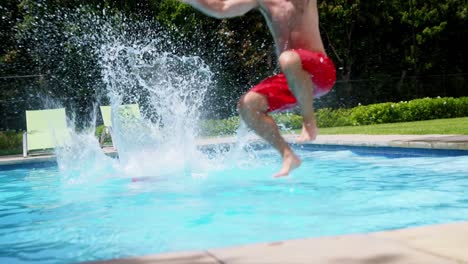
[[437, 244], [451, 142], [447, 243]]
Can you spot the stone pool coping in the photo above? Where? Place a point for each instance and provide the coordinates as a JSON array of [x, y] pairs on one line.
[[448, 142], [436, 244], [451, 142]]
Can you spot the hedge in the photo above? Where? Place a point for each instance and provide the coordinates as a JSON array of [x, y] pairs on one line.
[[11, 142], [415, 110], [407, 111]]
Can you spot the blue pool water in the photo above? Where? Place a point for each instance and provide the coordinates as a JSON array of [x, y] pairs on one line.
[[46, 217]]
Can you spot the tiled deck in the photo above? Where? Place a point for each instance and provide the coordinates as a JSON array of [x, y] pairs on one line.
[[454, 142], [18, 159], [423, 245]]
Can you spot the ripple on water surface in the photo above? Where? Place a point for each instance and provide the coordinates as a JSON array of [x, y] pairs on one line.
[[46, 216]]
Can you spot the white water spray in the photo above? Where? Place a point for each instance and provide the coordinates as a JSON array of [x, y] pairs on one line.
[[137, 66], [169, 90]]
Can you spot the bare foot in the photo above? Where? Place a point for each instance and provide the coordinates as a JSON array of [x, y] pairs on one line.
[[290, 162], [309, 132]]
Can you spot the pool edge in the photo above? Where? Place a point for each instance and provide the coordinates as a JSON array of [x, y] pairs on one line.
[[443, 243], [439, 142]]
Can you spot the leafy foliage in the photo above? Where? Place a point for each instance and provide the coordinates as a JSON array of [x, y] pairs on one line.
[[10, 142], [382, 42], [222, 127]]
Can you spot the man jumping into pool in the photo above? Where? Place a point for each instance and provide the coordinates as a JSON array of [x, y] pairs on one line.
[[307, 72]]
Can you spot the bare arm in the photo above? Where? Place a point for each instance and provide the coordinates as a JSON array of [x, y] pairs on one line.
[[223, 8]]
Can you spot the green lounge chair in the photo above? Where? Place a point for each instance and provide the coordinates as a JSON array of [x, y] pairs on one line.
[[46, 129], [127, 112]]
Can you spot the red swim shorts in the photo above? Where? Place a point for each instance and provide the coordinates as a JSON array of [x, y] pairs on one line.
[[322, 72]]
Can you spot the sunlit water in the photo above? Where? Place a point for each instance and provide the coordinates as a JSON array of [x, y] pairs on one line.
[[46, 218]]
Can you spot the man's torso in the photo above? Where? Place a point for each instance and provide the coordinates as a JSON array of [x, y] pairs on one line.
[[294, 24]]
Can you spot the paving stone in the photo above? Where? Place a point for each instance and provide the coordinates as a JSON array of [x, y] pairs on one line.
[[170, 258], [404, 144], [446, 145], [16, 160], [354, 249], [448, 240]]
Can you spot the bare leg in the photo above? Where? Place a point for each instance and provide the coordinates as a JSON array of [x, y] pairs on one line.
[[253, 110], [300, 84]]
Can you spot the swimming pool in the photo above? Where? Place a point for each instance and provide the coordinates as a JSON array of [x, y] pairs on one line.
[[45, 217]]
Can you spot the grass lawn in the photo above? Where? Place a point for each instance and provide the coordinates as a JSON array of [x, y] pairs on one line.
[[451, 126]]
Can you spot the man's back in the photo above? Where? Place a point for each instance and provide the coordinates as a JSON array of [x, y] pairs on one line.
[[294, 24], [306, 70]]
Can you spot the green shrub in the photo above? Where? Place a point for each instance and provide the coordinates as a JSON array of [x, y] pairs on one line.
[[11, 142], [415, 110], [426, 109], [461, 107], [99, 130], [288, 121], [373, 114], [327, 117], [219, 127]]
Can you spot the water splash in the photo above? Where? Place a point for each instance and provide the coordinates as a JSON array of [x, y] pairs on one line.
[[170, 91], [139, 63]]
